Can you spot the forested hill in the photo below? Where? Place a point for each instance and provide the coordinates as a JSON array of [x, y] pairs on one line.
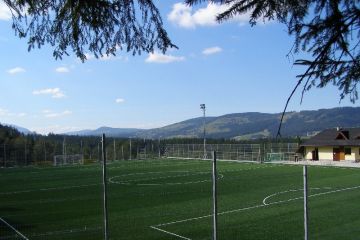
[[243, 126], [260, 125]]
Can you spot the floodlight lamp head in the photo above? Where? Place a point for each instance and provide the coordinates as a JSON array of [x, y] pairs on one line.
[[202, 106]]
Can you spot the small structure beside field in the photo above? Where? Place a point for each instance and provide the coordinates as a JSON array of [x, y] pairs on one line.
[[337, 144]]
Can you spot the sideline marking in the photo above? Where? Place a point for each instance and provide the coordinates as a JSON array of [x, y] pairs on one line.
[[49, 189], [170, 233], [68, 231], [189, 173], [157, 227], [14, 229]]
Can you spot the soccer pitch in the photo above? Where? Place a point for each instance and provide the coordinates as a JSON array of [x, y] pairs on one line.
[[171, 199]]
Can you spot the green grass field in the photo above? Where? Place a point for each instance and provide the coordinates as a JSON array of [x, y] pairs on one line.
[[171, 199]]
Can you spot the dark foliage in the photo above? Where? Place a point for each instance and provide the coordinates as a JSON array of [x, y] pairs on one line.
[[100, 27]]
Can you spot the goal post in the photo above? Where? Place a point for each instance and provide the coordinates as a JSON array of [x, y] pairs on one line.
[[74, 159]]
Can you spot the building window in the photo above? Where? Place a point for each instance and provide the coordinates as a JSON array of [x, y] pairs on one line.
[[347, 151]]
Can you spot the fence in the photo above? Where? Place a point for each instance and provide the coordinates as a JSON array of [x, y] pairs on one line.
[[44, 153], [240, 152], [176, 197]]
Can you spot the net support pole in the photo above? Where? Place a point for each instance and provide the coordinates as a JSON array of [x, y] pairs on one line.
[[114, 155], [130, 150], [306, 216], [214, 191], [103, 148]]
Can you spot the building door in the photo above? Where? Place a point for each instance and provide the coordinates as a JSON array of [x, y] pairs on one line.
[[315, 154], [338, 154]]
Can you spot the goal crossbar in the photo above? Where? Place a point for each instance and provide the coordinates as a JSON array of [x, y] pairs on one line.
[[74, 159]]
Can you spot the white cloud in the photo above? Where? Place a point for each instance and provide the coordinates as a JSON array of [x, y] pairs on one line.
[[62, 70], [119, 100], [184, 16], [211, 50], [51, 114], [5, 13], [4, 112], [54, 92], [7, 113], [162, 58], [16, 70]]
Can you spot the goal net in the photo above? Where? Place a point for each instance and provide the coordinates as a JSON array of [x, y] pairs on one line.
[[74, 159]]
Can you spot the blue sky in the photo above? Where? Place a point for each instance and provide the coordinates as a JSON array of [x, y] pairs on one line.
[[230, 67]]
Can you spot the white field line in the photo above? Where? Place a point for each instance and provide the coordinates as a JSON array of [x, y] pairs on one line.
[[170, 233], [49, 189], [14, 229], [67, 231], [157, 227], [131, 182], [291, 190]]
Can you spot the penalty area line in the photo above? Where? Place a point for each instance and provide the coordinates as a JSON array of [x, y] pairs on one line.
[[264, 204], [14, 229], [167, 232]]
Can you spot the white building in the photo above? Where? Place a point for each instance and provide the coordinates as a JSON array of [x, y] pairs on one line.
[[340, 144]]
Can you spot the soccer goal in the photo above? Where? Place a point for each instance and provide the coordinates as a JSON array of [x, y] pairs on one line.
[[74, 159]]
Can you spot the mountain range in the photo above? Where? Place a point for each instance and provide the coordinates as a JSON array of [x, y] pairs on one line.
[[243, 126]]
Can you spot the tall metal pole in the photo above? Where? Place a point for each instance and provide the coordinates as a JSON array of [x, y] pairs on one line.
[[4, 155], [25, 154], [159, 149], [103, 148], [122, 152], [99, 154], [114, 157], [64, 151], [202, 106], [214, 180], [306, 216], [130, 149]]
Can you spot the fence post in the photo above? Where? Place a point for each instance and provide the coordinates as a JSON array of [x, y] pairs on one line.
[[306, 216], [214, 179], [122, 152], [130, 150], [103, 148], [114, 157], [159, 149], [4, 155]]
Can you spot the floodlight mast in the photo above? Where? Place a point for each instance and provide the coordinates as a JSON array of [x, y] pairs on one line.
[[203, 108]]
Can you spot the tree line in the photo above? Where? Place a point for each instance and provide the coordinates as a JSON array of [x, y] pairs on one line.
[[18, 149]]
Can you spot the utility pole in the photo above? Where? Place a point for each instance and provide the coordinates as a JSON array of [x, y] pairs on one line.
[[203, 108]]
